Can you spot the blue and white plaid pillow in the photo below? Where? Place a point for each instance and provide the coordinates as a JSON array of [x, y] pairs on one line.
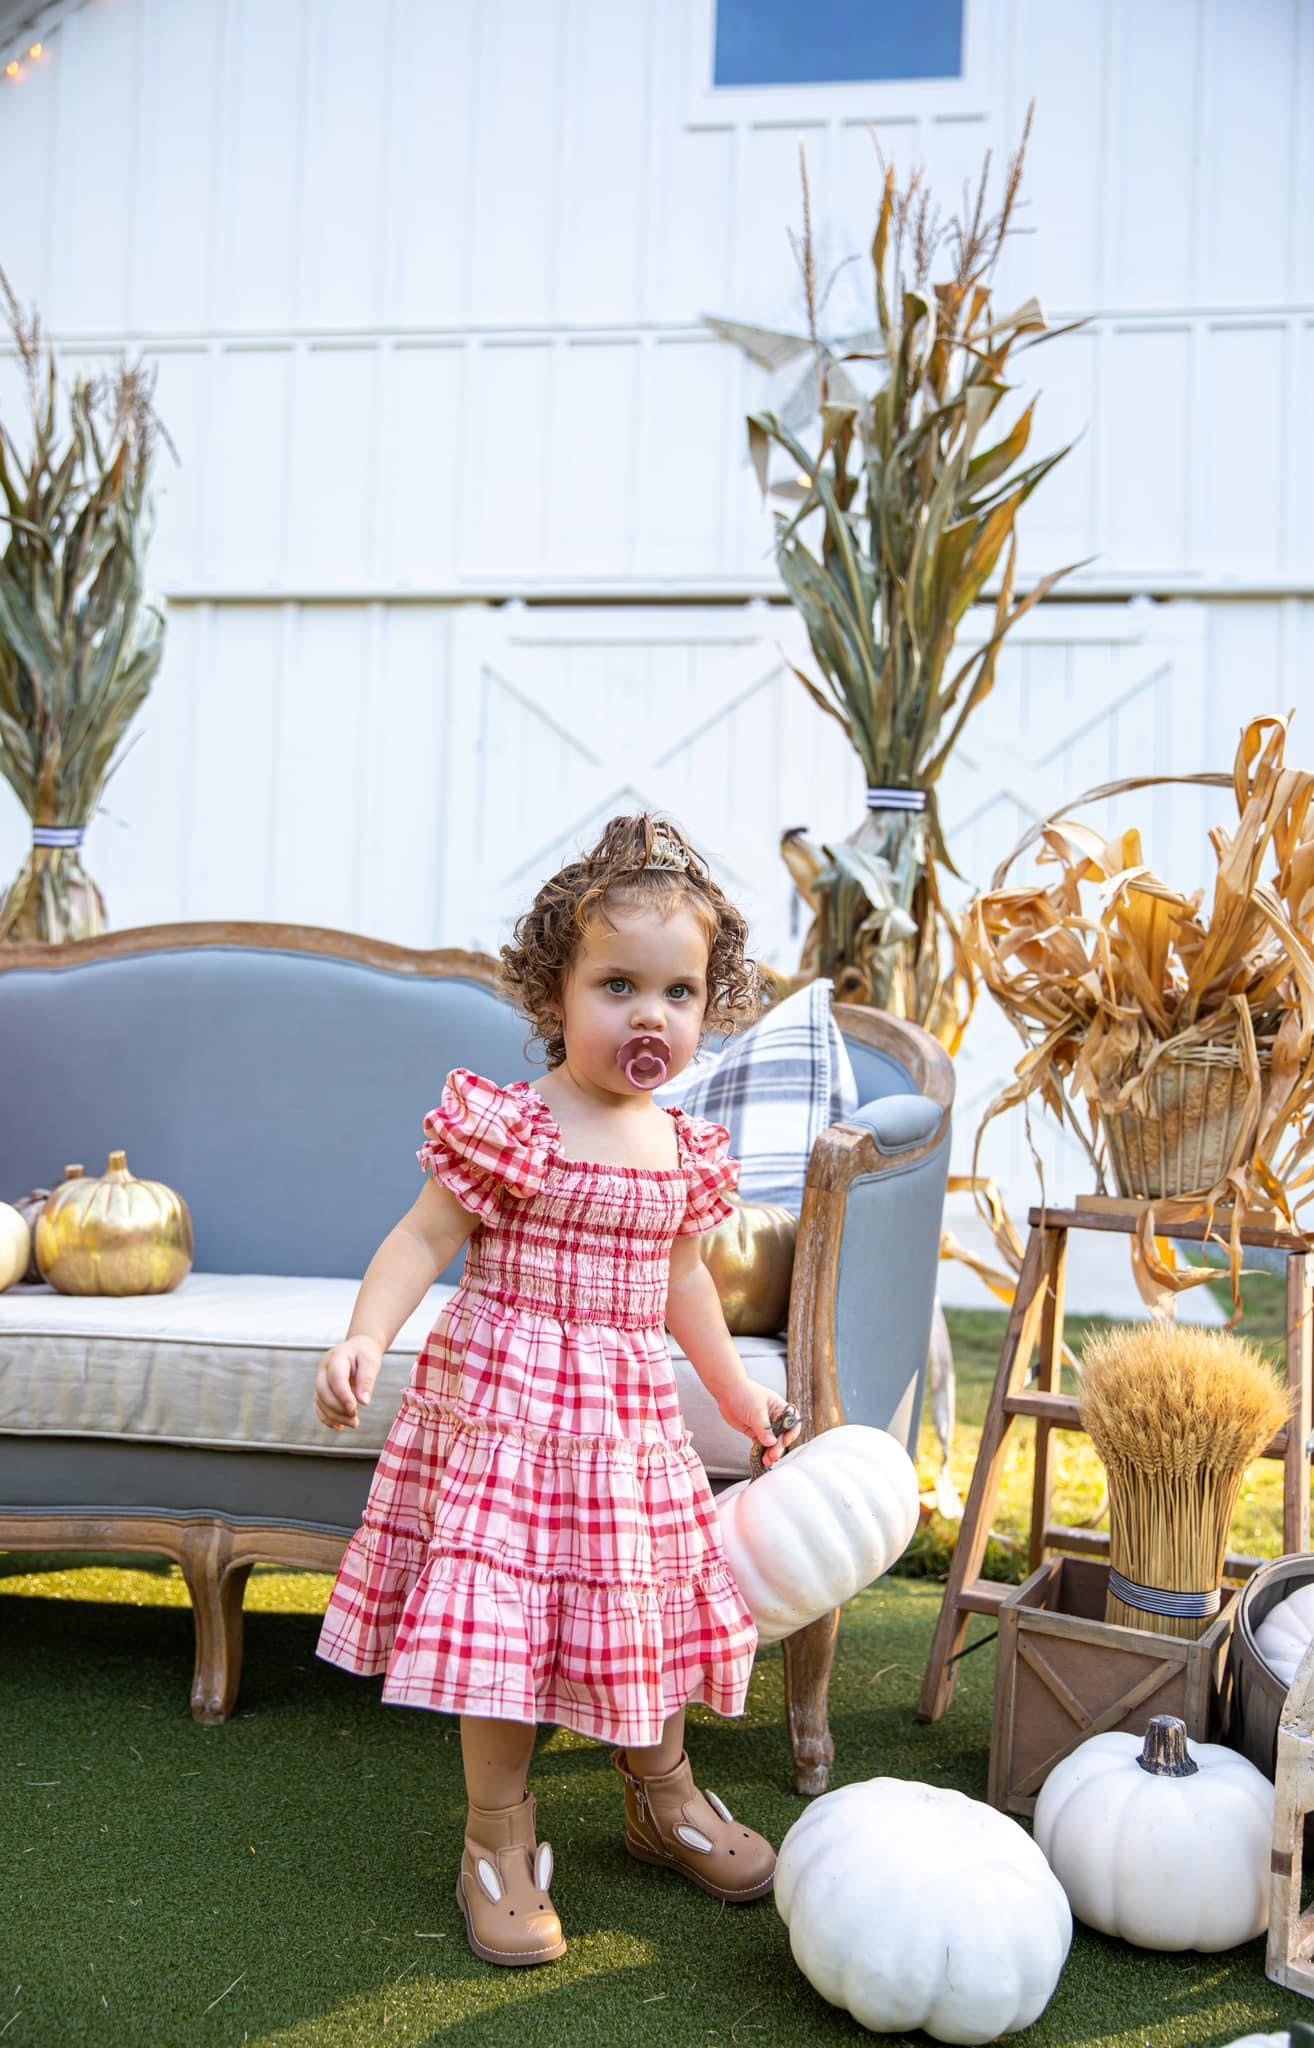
[[775, 1089]]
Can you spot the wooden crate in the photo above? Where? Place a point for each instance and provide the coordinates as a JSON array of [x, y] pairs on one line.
[[1064, 1673]]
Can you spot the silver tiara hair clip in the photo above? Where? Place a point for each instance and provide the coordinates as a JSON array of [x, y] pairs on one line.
[[666, 854]]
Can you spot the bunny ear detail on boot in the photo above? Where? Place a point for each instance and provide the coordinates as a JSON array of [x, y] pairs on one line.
[[502, 1887], [669, 1822]]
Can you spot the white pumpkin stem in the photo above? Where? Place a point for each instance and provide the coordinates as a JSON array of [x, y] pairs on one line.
[[1165, 1754]]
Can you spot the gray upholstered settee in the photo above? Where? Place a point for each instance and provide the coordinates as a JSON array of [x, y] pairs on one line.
[[276, 1076]]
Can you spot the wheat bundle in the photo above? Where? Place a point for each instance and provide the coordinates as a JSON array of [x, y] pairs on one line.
[[1176, 1415]]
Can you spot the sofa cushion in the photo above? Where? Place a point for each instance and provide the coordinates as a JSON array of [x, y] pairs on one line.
[[227, 1361], [775, 1088]]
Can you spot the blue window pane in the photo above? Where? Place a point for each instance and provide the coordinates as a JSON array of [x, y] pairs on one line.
[[835, 42]]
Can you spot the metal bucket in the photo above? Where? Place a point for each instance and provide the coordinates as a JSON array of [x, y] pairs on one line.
[[1258, 1694]]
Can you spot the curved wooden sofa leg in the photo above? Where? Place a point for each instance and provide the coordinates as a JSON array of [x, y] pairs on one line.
[[216, 1586], [809, 1655]]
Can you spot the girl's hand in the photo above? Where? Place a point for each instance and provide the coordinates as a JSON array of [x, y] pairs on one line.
[[750, 1408], [345, 1380]]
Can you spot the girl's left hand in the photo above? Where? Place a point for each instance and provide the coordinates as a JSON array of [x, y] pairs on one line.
[[750, 1408]]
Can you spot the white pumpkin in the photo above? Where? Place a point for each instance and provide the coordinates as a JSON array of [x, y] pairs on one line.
[[15, 1246], [1160, 1841], [1301, 2036], [1283, 1636], [818, 1525], [913, 1906]]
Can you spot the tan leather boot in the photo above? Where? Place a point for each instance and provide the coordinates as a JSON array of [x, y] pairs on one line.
[[669, 1822], [503, 1887]]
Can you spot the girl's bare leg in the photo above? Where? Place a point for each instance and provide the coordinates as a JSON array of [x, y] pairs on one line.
[[496, 1756], [664, 1755]]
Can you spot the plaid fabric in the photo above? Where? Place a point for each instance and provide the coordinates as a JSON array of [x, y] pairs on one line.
[[540, 1542], [775, 1089]]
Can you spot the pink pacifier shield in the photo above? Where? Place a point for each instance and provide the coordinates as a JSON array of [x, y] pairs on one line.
[[644, 1061]]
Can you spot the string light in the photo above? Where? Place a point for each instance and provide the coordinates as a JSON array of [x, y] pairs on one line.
[[16, 70]]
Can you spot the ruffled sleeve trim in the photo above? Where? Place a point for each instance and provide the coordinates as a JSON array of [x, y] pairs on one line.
[[709, 1172], [483, 1144]]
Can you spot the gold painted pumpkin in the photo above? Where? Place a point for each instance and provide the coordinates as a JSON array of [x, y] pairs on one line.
[[751, 1258], [15, 1246], [115, 1235], [74, 1172]]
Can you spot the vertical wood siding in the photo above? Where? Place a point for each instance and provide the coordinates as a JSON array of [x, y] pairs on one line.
[[489, 235], [424, 282]]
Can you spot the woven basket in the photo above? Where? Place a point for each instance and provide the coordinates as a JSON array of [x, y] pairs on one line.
[[1188, 1141]]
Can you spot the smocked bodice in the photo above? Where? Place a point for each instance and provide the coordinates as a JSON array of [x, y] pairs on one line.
[[592, 1245]]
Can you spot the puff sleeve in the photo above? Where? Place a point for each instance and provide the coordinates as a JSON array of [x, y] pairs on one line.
[[709, 1172], [483, 1145]]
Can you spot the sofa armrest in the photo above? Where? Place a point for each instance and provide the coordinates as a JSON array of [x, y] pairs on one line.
[[865, 1267]]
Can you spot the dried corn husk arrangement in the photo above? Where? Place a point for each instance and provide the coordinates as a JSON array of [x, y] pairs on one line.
[[1176, 1415], [1110, 976], [79, 641]]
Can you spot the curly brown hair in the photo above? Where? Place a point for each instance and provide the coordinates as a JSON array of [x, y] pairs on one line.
[[616, 871]]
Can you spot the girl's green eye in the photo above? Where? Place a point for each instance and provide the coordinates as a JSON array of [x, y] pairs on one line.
[[618, 981], [682, 985]]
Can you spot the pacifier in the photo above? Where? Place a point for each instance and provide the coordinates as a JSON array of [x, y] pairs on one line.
[[644, 1060]]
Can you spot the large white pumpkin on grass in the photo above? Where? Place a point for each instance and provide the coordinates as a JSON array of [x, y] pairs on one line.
[[1301, 2036], [1275, 2040], [819, 1525], [1283, 1636], [913, 1906], [1162, 1842]]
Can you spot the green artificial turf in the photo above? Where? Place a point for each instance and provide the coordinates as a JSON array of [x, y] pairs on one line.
[[288, 1879]]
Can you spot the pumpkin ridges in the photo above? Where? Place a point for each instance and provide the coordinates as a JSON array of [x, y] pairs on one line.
[[880, 1922], [1137, 1854], [794, 1539]]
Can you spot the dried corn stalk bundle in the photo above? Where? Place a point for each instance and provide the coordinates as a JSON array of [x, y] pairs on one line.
[[910, 509], [1176, 1415], [80, 641], [1115, 982]]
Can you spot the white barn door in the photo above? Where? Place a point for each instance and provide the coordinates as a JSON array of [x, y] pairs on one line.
[[561, 718]]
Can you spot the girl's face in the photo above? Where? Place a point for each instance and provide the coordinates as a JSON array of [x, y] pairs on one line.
[[636, 972]]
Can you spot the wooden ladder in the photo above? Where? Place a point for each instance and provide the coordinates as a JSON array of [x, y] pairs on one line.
[[1035, 1326]]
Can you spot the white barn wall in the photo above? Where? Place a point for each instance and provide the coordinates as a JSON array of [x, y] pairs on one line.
[[425, 280], [492, 231], [411, 770]]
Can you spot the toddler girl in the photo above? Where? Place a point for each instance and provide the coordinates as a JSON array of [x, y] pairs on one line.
[[540, 1542]]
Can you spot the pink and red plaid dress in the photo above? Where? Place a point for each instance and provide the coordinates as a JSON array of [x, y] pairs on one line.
[[540, 1542]]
